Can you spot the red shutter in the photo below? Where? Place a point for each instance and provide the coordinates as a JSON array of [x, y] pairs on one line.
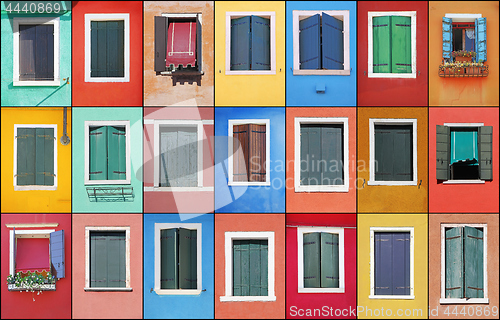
[[240, 140], [181, 44]]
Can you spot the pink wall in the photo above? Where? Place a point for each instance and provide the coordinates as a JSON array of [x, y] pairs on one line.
[[112, 305], [463, 197]]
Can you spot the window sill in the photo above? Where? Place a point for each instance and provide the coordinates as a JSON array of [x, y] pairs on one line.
[[464, 301], [178, 189], [391, 183], [107, 289], [463, 182], [181, 73], [331, 188], [27, 188], [392, 297], [392, 75], [43, 287], [250, 72], [105, 182], [321, 290], [248, 184], [177, 292], [322, 72], [55, 83], [104, 79], [247, 298]]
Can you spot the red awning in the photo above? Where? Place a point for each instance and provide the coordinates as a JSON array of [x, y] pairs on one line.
[[181, 44], [32, 254]]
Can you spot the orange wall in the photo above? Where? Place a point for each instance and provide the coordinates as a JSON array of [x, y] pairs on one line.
[[463, 91]]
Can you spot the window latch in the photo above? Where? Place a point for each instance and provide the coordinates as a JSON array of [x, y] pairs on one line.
[[363, 186], [151, 290], [419, 183]]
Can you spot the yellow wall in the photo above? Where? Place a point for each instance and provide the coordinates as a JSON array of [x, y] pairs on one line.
[[419, 223], [35, 200], [249, 90]]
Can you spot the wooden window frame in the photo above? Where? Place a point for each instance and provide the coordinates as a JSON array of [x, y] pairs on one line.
[[38, 233]]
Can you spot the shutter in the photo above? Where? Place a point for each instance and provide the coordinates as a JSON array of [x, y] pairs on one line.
[[49, 156], [117, 166], [447, 38], [454, 263], [199, 44], [98, 259], [98, 48], [485, 150], [314, 163], [263, 268], [382, 44], [473, 262], [107, 49], [27, 50], [115, 251], [332, 154], [181, 43], [304, 155], [116, 48], [57, 254], [240, 158], [26, 156], [241, 265], [401, 44], [240, 43], [481, 39], [383, 263], [310, 43], [160, 43], [168, 155], [384, 153], [255, 268], [442, 152], [260, 46], [312, 256], [403, 153], [169, 259], [332, 43], [98, 153], [44, 53], [187, 157], [401, 263], [257, 152], [329, 260], [187, 259], [40, 156]]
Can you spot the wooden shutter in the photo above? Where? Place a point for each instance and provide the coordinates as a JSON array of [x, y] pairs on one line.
[[57, 260], [40, 159], [442, 152], [240, 43], [332, 43], [44, 53], [48, 156], [240, 158], [393, 153], [310, 43], [258, 270], [117, 156], [98, 153], [260, 46], [383, 263], [169, 259], [250, 268], [454, 263], [181, 43], [26, 153], [257, 153], [401, 44], [187, 259], [116, 275], [107, 48], [241, 268], [382, 44], [160, 43], [332, 154], [485, 150], [473, 262], [187, 157], [447, 38], [199, 44], [27, 52], [401, 263], [304, 155], [312, 256], [481, 39], [311, 154], [329, 260], [98, 259]]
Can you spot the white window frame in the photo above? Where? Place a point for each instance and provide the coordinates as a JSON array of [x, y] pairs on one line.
[[89, 17], [300, 260], [191, 226], [443, 299], [413, 16], [230, 236], [231, 124], [16, 63], [127, 259], [35, 187], [344, 121], [411, 296], [24, 234], [302, 14], [89, 124], [272, 41], [374, 122]]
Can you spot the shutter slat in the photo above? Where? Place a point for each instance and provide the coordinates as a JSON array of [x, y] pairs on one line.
[[481, 39], [485, 150], [49, 156], [57, 259], [332, 43], [473, 262], [160, 43], [401, 44], [447, 37], [454, 263], [382, 44], [312, 255], [310, 43], [240, 44], [442, 152], [260, 46], [98, 153]]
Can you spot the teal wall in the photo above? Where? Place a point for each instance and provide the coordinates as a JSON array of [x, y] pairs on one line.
[[31, 95], [81, 202]]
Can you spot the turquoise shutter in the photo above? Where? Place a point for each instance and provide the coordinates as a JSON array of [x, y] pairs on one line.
[[57, 260], [332, 155], [443, 146], [240, 43], [304, 155], [401, 44], [187, 259], [116, 275], [329, 260], [447, 38], [481, 39], [485, 150], [241, 268], [48, 156], [382, 44], [473, 262], [260, 46], [98, 153], [454, 263], [25, 156], [312, 256], [310, 43], [169, 259], [40, 156], [332, 43], [117, 159]]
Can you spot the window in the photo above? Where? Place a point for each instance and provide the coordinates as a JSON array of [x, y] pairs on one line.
[[391, 263], [178, 258], [392, 44], [107, 47], [36, 51], [321, 42], [107, 152], [249, 260], [320, 259], [322, 150], [393, 152], [250, 43], [464, 32], [35, 157], [178, 43], [464, 152], [249, 149], [107, 259], [463, 263]]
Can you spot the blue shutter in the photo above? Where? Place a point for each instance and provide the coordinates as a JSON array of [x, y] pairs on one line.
[[332, 43], [447, 38], [481, 39], [260, 46], [309, 43], [57, 254], [401, 263], [240, 43], [383, 263]]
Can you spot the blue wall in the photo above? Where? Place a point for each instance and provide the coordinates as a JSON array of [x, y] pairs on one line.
[[179, 306], [301, 90], [256, 199]]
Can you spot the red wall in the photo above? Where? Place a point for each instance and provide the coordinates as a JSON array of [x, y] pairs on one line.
[[463, 197], [107, 93], [392, 92], [49, 304], [341, 301]]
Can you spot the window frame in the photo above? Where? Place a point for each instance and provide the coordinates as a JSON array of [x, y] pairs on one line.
[[297, 14], [411, 296], [229, 236], [89, 17], [91, 123], [37, 233], [372, 123], [413, 16], [300, 259]]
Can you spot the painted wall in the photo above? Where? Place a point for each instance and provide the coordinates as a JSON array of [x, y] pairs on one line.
[[35, 200], [416, 308], [463, 197], [251, 90], [391, 198], [437, 310], [309, 301], [31, 95], [179, 306], [112, 305], [179, 201], [107, 93], [255, 309], [340, 90], [20, 305], [463, 91], [387, 91], [256, 198], [81, 201], [319, 201], [160, 90]]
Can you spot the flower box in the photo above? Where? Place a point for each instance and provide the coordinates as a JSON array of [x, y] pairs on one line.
[[463, 59], [43, 287]]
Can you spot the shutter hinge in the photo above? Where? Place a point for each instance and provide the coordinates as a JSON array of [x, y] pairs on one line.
[[46, 136], [24, 136], [47, 174]]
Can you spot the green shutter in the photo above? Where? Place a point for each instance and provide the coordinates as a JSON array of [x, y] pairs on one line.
[[332, 154], [314, 155], [454, 263], [382, 44], [250, 268], [312, 254], [263, 268], [107, 48], [394, 152], [255, 268], [25, 156], [48, 156], [442, 152], [304, 155], [40, 156], [98, 260], [98, 153], [485, 150], [401, 44], [169, 259], [384, 151], [473, 262], [116, 153], [329, 260], [241, 268], [116, 276], [187, 259]]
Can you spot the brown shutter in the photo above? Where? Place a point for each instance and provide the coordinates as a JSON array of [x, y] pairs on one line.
[[240, 140], [257, 156]]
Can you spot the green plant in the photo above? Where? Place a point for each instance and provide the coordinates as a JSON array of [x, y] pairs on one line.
[[32, 281]]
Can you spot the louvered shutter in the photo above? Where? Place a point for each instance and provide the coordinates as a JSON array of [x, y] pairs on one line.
[[241, 268], [329, 260], [332, 43], [26, 153], [117, 168], [382, 44], [187, 259], [481, 39], [48, 156], [454, 263], [447, 38], [107, 49], [181, 43], [401, 263], [485, 150], [98, 153], [116, 276], [310, 43], [260, 46], [240, 152], [44, 52], [40, 156], [169, 259], [442, 152], [401, 44], [473, 262], [27, 52], [257, 152], [160, 43], [383, 263], [240, 43], [332, 155], [199, 44], [312, 256], [57, 260]]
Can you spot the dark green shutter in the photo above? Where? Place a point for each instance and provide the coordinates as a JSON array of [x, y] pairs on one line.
[[312, 255], [393, 153], [98, 153], [382, 44], [98, 260], [310, 43], [115, 250], [485, 151], [116, 153], [442, 152], [26, 153], [240, 43], [454, 263], [255, 268], [40, 159], [332, 155], [250, 268], [260, 46], [329, 260], [304, 155], [473, 262], [314, 155], [107, 48], [401, 44], [49, 156], [187, 259], [169, 259], [241, 268], [263, 267]]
